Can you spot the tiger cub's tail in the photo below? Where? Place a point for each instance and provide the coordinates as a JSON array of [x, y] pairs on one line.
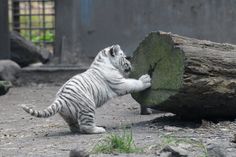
[[48, 112]]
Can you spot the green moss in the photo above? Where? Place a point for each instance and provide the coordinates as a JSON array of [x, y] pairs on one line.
[[167, 76], [4, 87]]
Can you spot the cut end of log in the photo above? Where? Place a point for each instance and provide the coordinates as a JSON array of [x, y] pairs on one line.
[[158, 56], [191, 78]]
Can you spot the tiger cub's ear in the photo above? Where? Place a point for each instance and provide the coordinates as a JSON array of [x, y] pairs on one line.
[[114, 50]]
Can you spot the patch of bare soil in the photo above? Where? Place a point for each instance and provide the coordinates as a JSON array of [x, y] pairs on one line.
[[158, 134]]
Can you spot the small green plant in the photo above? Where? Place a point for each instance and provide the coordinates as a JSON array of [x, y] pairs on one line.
[[49, 37], [116, 143]]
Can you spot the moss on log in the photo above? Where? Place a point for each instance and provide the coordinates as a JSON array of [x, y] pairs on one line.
[[4, 87], [191, 78]]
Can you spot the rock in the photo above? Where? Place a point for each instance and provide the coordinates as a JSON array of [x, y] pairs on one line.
[[171, 128], [171, 151], [24, 52], [215, 151], [234, 139], [4, 87], [166, 154], [194, 79], [78, 153], [9, 70]]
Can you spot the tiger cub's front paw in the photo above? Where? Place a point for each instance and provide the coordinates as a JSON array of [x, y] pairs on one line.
[[146, 80]]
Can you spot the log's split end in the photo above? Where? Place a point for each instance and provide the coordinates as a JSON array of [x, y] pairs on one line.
[[151, 69]]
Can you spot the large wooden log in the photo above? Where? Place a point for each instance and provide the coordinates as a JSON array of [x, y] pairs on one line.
[[191, 78]]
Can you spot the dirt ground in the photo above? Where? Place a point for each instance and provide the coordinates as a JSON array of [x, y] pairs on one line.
[[24, 135]]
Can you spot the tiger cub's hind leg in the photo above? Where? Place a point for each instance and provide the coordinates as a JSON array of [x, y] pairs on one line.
[[88, 126], [72, 123]]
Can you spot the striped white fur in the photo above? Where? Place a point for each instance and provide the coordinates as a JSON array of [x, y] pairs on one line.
[[78, 98]]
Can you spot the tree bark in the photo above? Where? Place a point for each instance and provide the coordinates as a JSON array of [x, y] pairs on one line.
[[191, 78]]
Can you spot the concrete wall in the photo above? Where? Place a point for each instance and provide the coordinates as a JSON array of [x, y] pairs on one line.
[[4, 31], [87, 26]]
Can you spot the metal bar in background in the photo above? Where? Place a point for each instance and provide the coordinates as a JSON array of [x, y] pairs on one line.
[[33, 0], [34, 28], [4, 31], [44, 25], [15, 13], [33, 14], [30, 19]]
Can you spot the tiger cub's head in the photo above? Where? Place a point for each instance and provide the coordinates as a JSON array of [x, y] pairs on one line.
[[119, 60]]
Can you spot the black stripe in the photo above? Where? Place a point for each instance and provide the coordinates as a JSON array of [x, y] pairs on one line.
[[76, 106], [84, 106], [66, 103], [85, 87]]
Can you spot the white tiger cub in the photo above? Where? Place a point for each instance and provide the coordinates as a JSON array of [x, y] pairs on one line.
[[78, 97]]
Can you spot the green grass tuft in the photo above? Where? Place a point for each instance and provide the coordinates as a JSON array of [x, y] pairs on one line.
[[116, 143]]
